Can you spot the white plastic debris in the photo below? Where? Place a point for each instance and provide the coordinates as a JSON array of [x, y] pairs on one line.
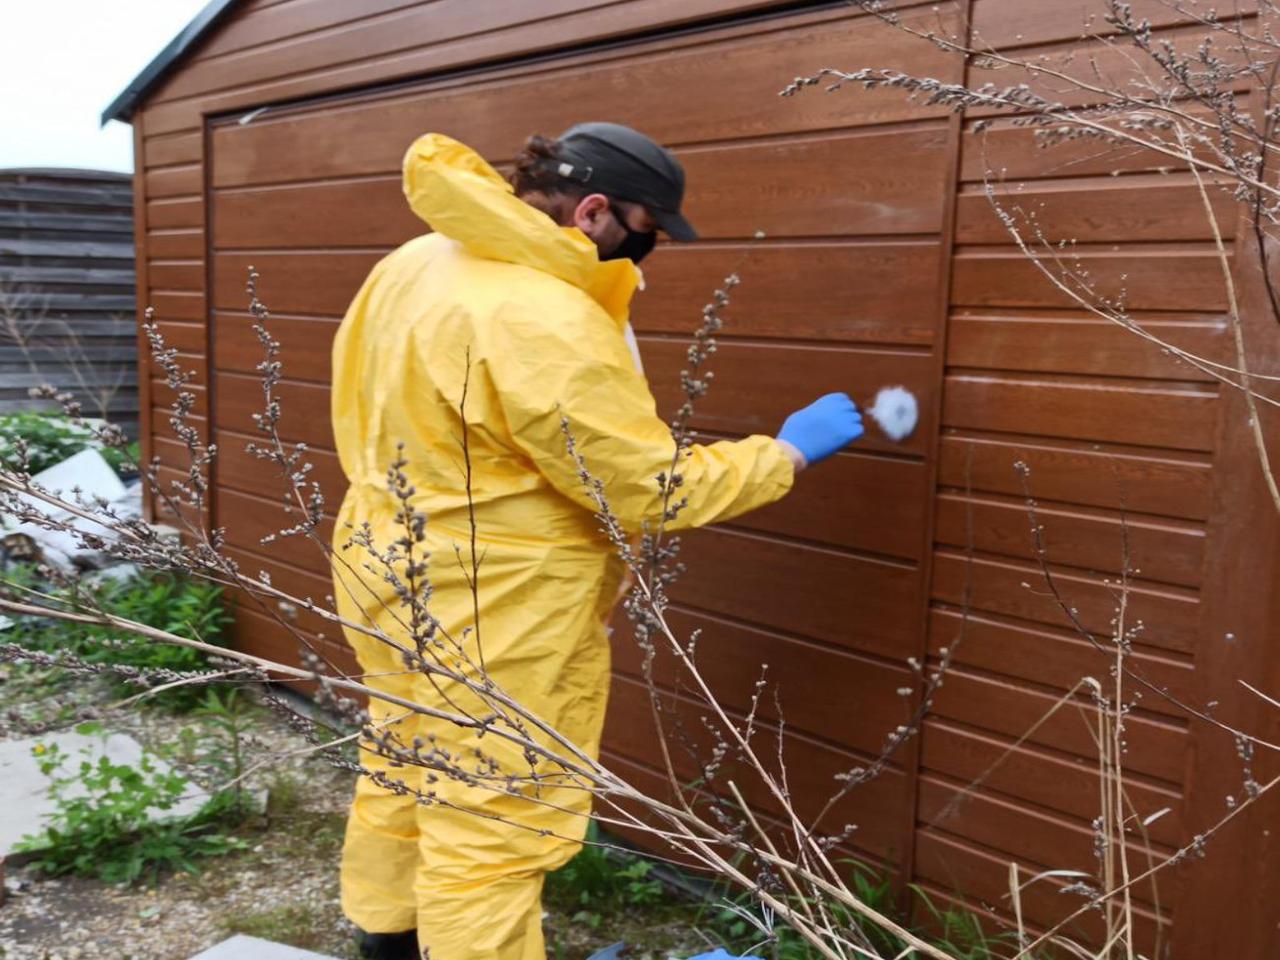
[[896, 412]]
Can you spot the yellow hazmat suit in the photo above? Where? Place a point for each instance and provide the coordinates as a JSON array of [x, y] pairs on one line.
[[521, 311]]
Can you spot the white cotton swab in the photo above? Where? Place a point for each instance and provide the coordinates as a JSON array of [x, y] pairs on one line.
[[896, 412]]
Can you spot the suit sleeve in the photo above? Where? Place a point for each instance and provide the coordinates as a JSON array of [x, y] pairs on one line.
[[578, 369]]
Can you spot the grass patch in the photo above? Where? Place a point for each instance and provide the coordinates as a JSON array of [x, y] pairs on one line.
[[294, 924]]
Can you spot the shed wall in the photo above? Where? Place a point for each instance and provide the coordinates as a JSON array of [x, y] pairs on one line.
[[882, 264]]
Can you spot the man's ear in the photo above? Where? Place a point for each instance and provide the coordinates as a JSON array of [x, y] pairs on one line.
[[588, 215]]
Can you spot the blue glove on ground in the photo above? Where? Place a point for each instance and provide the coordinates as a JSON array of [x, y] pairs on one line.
[[824, 427], [720, 953]]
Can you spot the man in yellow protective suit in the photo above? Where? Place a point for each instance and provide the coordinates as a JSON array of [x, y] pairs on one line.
[[519, 297]]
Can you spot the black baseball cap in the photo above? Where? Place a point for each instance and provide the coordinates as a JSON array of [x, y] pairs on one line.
[[626, 165]]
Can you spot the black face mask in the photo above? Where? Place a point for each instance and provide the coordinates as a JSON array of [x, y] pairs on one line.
[[635, 246]]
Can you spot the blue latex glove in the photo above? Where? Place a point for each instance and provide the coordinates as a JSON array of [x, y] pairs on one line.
[[824, 427], [720, 953]]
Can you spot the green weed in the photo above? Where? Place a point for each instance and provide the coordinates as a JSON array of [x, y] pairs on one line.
[[109, 820]]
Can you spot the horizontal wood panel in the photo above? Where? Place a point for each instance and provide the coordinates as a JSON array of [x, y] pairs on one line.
[[358, 38], [737, 80], [757, 386], [1023, 833], [1173, 278], [238, 398], [360, 213], [838, 292], [162, 395], [1169, 615], [241, 470], [1116, 209], [1156, 748], [983, 875], [855, 602], [1084, 345], [175, 244], [1055, 657], [181, 212], [161, 415], [173, 149], [860, 292], [853, 500], [256, 633], [305, 346], [177, 304], [1156, 550], [1072, 73], [188, 338], [296, 281], [174, 181], [176, 274], [247, 519], [1002, 24], [820, 186], [253, 25], [828, 693], [1052, 780], [1146, 413], [1113, 477], [836, 185], [580, 30], [875, 807]]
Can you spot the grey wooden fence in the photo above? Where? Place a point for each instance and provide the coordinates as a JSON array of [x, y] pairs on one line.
[[67, 291]]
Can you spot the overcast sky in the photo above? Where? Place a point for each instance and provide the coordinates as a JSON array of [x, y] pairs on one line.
[[63, 62]]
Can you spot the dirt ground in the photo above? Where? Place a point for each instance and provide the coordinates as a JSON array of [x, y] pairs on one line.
[[282, 887]]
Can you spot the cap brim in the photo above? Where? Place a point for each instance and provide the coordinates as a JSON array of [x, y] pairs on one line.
[[675, 226]]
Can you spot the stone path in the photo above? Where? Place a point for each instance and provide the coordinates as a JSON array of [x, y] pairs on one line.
[[241, 947], [24, 790]]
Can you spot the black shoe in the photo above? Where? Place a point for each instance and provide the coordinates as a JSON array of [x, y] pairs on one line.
[[388, 946]]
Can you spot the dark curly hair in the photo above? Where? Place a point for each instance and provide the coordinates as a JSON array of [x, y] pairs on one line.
[[535, 173]]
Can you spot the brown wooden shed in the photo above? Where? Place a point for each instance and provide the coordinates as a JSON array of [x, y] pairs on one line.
[[271, 132]]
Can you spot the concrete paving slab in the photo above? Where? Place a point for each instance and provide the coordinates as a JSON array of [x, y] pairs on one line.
[[24, 790], [241, 947]]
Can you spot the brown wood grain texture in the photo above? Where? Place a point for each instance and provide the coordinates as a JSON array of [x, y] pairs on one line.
[[174, 212], [1047, 778], [239, 397], [1035, 836], [1141, 207], [758, 385], [176, 181], [1017, 588], [1048, 342], [1158, 746], [248, 519], [954, 864], [445, 54], [1179, 276], [812, 767], [1056, 658], [176, 243], [492, 115], [1079, 471], [1228, 907], [1008, 24], [1078, 72], [856, 705], [1138, 412], [824, 185], [177, 274], [1167, 551], [742, 576], [173, 149]]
